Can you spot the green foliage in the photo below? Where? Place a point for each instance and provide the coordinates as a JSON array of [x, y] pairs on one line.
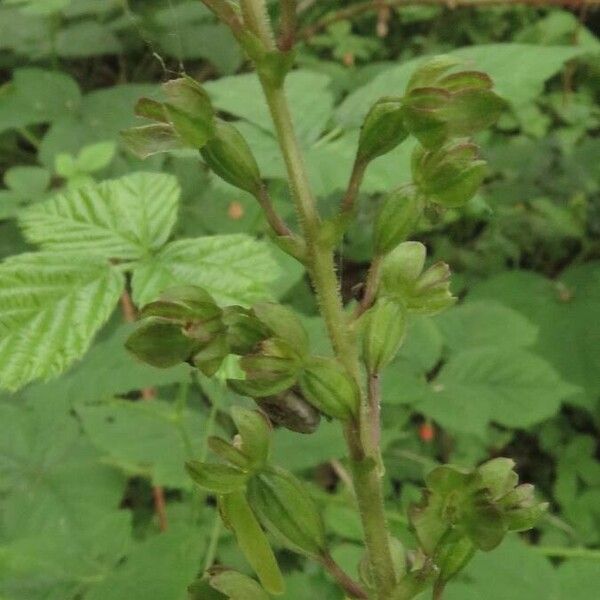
[[92, 436]]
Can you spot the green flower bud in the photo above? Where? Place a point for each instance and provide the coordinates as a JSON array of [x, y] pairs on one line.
[[216, 478], [327, 386], [397, 218], [227, 153], [291, 410], [384, 327], [211, 355], [283, 323], [251, 539], [189, 110], [382, 130], [452, 555], [449, 176], [255, 434], [270, 370], [186, 325], [244, 330], [274, 358], [229, 453], [403, 266], [402, 280], [160, 343], [440, 105], [431, 71], [423, 115], [152, 110], [285, 508]]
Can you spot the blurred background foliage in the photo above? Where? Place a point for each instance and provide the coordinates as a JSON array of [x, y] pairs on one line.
[[95, 504]]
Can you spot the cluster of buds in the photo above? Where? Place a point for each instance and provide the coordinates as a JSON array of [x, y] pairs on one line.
[[463, 511], [188, 120], [253, 494], [405, 279], [183, 325], [293, 387]]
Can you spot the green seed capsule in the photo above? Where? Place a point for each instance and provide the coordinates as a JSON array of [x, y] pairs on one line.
[[189, 110], [382, 130], [160, 343], [327, 386], [450, 175], [286, 509], [227, 153], [384, 327], [397, 218], [255, 433]]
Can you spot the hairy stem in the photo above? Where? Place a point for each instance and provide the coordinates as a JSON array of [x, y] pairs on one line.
[[363, 454], [287, 25]]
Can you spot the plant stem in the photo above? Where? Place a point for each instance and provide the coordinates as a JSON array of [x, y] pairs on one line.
[[356, 177], [374, 395], [346, 582], [438, 591], [287, 25], [372, 283], [275, 221], [558, 552], [363, 455]]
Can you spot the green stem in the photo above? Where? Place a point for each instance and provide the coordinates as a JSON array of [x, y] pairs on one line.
[[363, 454]]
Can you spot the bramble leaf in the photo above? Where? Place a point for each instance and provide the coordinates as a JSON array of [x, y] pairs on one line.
[[50, 308]]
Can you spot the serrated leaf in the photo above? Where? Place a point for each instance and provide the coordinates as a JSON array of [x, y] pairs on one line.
[[509, 386], [477, 324], [566, 313], [71, 484], [164, 438], [50, 309], [234, 269], [161, 566], [124, 218]]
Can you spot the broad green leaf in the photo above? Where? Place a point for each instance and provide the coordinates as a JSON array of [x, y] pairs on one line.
[[125, 218], [59, 564], [50, 308], [101, 115], [28, 182], [164, 438], [512, 571], [477, 324], [566, 314], [578, 579], [161, 566], [506, 385], [518, 71], [86, 38], [234, 269], [37, 96], [52, 479], [242, 96]]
